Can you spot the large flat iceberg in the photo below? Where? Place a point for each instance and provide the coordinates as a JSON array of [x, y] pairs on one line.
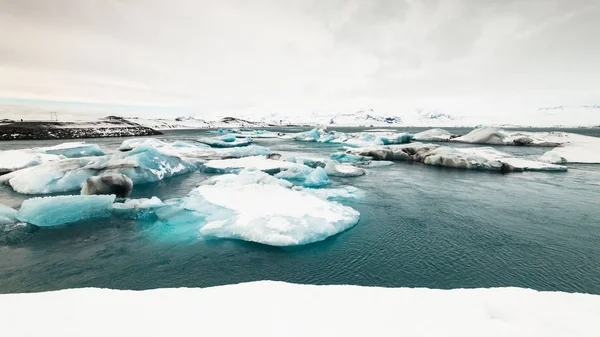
[[480, 158], [268, 308], [266, 212], [579, 149], [495, 136], [257, 162], [60, 210], [322, 135]]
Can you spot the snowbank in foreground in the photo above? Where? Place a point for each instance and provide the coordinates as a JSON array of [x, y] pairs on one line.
[[282, 309]]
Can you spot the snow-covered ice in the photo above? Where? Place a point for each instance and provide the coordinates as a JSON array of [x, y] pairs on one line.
[[268, 308], [141, 165], [257, 162], [266, 212], [335, 169], [142, 208], [60, 210], [13, 160], [495, 136], [322, 135], [579, 149], [433, 135], [132, 143], [337, 194]]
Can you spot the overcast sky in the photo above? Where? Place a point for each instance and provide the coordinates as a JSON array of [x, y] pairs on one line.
[[208, 57]]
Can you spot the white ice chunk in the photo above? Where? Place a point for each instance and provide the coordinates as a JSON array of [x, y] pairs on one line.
[[433, 135], [579, 149], [263, 212], [246, 177], [494, 136], [340, 193], [132, 143], [55, 211], [141, 203], [335, 169], [256, 162], [73, 150]]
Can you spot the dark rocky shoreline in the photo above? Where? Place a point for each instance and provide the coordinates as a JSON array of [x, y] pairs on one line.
[[114, 127]]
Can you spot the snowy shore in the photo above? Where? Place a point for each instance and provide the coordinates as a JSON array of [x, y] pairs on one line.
[[281, 309]]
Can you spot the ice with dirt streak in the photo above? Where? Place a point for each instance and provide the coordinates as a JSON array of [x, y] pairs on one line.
[[253, 207]]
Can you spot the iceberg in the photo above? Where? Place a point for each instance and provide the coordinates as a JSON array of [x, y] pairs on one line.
[[335, 169], [305, 176], [142, 165], [132, 143], [257, 162], [313, 162], [13, 160], [336, 194], [228, 140], [142, 208], [343, 157], [8, 216], [434, 135], [74, 150], [60, 210], [246, 177], [495, 136], [355, 140], [270, 214], [117, 184], [579, 149], [480, 158]]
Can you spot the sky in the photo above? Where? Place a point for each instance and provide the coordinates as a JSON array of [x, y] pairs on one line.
[[206, 58]]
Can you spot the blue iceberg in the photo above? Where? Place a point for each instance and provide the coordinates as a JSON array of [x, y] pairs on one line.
[[60, 210]]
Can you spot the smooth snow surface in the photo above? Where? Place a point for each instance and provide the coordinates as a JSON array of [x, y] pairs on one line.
[[280, 309], [579, 149], [433, 135], [60, 210], [254, 207]]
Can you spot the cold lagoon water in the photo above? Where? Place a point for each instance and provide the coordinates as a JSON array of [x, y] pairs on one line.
[[420, 226]]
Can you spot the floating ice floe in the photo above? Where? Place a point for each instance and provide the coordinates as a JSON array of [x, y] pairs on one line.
[[495, 136], [267, 213], [313, 162], [579, 149], [482, 158], [339, 194], [73, 150], [60, 210], [13, 160], [257, 134], [132, 143], [335, 169], [228, 140], [433, 135], [356, 140], [257, 162], [142, 208], [141, 165], [305, 176]]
